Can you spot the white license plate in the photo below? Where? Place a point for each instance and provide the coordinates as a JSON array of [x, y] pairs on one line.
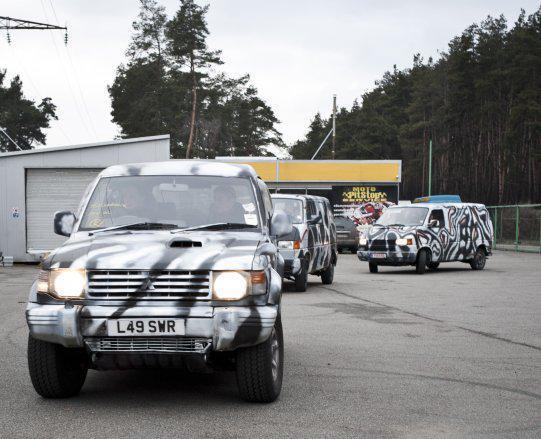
[[379, 255], [146, 326]]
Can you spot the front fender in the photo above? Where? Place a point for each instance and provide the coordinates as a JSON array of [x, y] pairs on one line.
[[275, 287], [33, 295]]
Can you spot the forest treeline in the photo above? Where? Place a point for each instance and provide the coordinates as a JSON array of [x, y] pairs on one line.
[[479, 102]]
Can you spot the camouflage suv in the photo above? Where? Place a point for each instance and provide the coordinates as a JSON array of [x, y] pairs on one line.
[[169, 264]]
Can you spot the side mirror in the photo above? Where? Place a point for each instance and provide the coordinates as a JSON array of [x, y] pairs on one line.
[[266, 249], [280, 224], [433, 223], [63, 223], [314, 220]]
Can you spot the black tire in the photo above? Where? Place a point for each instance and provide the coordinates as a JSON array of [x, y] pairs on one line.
[[373, 267], [420, 266], [433, 265], [260, 368], [56, 371], [479, 260], [327, 275], [301, 278], [340, 250]]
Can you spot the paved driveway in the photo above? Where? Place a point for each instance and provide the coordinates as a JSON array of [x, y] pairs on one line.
[[455, 353]]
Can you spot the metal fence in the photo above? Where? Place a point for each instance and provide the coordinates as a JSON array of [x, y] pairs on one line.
[[517, 227]]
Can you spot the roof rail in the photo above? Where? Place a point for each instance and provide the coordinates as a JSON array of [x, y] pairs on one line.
[[439, 199]]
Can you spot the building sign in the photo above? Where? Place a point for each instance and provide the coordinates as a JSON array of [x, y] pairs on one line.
[[363, 204]]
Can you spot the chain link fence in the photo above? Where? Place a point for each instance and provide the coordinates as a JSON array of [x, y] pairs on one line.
[[517, 227]]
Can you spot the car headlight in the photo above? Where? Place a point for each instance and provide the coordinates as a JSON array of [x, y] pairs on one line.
[[236, 285], [63, 283], [363, 240], [290, 245], [404, 241]]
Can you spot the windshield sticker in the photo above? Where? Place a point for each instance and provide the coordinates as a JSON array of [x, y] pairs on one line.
[[250, 218]]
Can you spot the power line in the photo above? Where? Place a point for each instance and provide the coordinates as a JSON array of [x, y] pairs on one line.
[[76, 76], [10, 23], [75, 101], [12, 141], [34, 86]]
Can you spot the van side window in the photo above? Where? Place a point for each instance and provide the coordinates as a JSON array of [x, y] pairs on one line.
[[437, 215], [322, 212], [311, 211]]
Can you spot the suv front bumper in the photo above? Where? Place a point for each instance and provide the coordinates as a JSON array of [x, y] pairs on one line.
[[229, 328], [391, 258]]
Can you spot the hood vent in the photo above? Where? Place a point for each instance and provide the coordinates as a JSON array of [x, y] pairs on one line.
[[184, 243]]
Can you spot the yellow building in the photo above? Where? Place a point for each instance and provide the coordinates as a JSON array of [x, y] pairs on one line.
[[371, 180]]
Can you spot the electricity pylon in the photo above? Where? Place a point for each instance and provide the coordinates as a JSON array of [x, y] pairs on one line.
[[9, 23]]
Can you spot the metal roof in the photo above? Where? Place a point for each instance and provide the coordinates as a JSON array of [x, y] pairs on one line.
[[81, 146]]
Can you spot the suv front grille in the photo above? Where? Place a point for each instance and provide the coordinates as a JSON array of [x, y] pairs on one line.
[[138, 284], [382, 245], [149, 344]]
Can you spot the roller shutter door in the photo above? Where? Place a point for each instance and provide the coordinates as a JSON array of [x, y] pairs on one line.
[[48, 191]]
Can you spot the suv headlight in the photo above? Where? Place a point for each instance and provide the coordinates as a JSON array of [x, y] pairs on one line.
[[236, 285], [363, 240], [404, 241], [63, 283]]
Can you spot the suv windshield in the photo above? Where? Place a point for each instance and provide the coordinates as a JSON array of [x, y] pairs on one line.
[[403, 216], [292, 208], [182, 201]]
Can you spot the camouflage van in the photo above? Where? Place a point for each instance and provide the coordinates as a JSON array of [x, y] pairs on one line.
[[170, 265], [427, 234], [311, 247]]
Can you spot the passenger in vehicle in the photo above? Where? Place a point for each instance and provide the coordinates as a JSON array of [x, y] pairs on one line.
[[224, 207]]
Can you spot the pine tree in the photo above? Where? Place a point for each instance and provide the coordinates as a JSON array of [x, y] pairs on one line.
[[187, 33]]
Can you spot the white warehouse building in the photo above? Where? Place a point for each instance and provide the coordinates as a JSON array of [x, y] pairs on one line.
[[36, 183]]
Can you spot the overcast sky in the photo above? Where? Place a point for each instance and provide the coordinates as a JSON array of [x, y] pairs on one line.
[[297, 52]]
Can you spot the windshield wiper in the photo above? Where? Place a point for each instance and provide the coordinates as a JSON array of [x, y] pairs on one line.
[[217, 226], [137, 226], [395, 225]]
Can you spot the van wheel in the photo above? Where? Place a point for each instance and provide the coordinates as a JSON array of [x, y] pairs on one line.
[[260, 368], [56, 371], [327, 275], [420, 266], [373, 267], [479, 260], [433, 265], [301, 278]]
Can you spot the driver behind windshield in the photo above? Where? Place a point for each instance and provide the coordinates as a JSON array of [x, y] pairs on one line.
[[133, 203], [224, 207]]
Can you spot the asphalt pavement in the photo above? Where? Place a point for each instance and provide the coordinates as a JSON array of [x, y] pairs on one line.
[[454, 353]]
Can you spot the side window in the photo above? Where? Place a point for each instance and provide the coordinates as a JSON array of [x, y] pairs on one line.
[[328, 209], [267, 202], [437, 215], [311, 212], [322, 213], [314, 211]]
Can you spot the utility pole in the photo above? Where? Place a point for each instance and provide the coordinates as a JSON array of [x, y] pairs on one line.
[[10, 23], [333, 126], [332, 131], [430, 167]]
